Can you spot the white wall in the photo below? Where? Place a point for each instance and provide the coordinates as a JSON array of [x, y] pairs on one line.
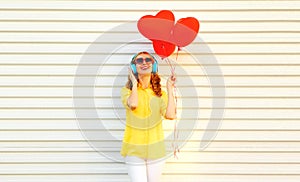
[[257, 47]]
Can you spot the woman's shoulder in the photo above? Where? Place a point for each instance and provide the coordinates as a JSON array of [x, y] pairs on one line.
[[163, 92], [125, 90]]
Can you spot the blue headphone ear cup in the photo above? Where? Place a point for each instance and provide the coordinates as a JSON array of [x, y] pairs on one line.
[[133, 68], [154, 67]]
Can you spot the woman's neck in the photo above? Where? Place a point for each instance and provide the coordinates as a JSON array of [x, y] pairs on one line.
[[144, 80]]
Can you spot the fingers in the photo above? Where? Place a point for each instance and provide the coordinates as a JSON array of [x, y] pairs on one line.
[[171, 81], [130, 71], [131, 75], [173, 78]]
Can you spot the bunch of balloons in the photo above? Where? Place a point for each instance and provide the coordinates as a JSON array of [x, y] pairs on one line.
[[165, 34]]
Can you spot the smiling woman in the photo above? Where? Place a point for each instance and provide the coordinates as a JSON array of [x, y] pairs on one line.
[[146, 104]]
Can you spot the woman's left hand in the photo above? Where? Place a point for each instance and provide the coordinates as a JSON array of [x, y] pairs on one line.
[[171, 81]]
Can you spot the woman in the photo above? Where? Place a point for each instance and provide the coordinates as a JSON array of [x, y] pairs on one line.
[[145, 102]]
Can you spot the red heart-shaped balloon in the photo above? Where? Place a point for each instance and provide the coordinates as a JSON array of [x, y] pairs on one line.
[[158, 27], [185, 31], [163, 48]]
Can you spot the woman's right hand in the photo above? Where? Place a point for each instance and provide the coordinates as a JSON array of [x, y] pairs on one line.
[[132, 101], [132, 77]]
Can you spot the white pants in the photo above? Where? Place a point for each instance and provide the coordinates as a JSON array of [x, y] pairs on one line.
[[143, 170]]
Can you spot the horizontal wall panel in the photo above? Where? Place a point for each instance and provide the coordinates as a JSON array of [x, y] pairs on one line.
[[197, 135], [255, 147], [60, 59], [131, 15], [108, 92], [82, 49], [63, 168], [109, 114], [170, 168], [66, 177], [122, 70], [231, 178], [165, 178], [115, 123], [199, 157], [103, 103], [148, 5], [207, 37], [107, 81], [97, 27]]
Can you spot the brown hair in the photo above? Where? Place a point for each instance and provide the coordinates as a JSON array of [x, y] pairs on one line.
[[154, 80]]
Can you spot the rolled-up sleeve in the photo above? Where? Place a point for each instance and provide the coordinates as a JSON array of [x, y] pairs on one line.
[[125, 93], [163, 103]]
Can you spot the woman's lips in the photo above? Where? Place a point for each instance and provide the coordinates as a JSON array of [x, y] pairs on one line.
[[145, 67]]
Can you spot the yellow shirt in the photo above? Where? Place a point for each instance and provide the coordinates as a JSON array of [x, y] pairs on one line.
[[143, 136]]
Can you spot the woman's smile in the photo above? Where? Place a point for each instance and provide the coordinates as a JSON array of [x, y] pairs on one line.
[[145, 67]]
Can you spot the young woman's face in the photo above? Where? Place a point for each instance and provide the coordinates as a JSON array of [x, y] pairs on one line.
[[143, 64]]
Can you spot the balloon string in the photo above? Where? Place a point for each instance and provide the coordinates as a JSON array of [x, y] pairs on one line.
[[171, 66], [176, 132], [179, 49]]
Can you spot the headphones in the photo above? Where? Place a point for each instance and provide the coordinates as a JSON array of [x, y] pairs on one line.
[[154, 65]]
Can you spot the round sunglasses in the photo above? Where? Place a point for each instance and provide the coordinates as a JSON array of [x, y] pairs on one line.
[[141, 60]]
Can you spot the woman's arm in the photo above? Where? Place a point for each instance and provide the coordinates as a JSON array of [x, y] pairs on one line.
[[132, 100], [171, 106]]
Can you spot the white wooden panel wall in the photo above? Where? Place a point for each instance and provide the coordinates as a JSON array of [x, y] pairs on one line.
[[255, 42]]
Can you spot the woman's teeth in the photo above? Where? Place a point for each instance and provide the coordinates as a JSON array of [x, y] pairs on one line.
[[144, 67]]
